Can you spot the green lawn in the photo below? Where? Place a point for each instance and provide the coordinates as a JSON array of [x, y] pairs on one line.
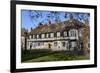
[[47, 55]]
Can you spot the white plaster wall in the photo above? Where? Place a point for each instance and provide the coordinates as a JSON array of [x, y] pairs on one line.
[[45, 45]]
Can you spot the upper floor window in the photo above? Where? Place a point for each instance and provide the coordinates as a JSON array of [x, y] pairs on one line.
[[43, 35], [55, 34], [37, 36], [33, 36], [58, 34], [30, 36], [65, 33], [52, 35], [73, 33], [61, 34], [47, 35]]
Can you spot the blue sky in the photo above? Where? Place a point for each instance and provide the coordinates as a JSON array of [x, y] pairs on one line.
[[32, 18]]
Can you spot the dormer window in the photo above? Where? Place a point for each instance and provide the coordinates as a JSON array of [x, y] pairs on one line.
[[58, 34], [30, 36], [52, 35], [73, 33], [65, 33], [43, 35], [33, 36], [37, 36], [47, 35], [55, 34]]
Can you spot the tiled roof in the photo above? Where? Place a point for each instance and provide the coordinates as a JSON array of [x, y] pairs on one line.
[[57, 27]]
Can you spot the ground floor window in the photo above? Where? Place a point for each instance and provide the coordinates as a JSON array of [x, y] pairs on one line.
[[55, 43], [63, 44], [68, 45], [41, 43], [73, 44], [38, 44]]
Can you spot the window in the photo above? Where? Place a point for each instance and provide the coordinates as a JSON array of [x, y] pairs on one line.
[[58, 34], [37, 36], [31, 45], [33, 36], [52, 35], [73, 44], [62, 34], [72, 33], [38, 44], [47, 35], [30, 36], [65, 33], [55, 43], [42, 43], [63, 44], [75, 33], [55, 34], [34, 45], [67, 45], [43, 35]]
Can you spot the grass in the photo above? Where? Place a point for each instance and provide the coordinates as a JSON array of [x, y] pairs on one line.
[[47, 55], [27, 55]]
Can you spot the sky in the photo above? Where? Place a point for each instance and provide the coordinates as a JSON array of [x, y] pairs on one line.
[[32, 18]]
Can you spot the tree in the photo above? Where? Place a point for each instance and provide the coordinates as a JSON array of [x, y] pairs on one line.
[[85, 39], [40, 24], [26, 36]]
